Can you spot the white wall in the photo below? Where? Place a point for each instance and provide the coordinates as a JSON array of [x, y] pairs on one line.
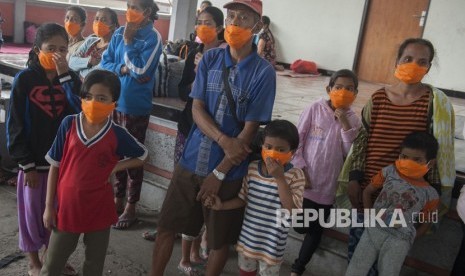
[[326, 31], [323, 31], [445, 27], [319, 30]]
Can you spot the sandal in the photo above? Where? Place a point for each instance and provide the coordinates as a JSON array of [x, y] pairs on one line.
[[124, 222], [204, 253], [188, 270], [68, 270], [150, 235]]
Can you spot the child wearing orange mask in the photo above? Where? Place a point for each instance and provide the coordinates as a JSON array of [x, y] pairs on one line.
[[41, 97], [419, 201], [75, 21], [271, 184], [327, 129], [93, 142]]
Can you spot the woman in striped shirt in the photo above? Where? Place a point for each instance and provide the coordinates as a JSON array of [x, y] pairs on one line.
[[390, 115]]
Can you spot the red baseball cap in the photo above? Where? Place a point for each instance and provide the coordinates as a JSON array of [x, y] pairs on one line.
[[255, 5]]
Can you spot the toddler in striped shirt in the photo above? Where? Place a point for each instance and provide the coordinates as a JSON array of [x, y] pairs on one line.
[[271, 186]]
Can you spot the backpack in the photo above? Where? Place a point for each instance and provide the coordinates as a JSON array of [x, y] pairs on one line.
[[171, 66]]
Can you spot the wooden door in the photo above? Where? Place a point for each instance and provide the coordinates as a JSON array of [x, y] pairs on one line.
[[387, 24]]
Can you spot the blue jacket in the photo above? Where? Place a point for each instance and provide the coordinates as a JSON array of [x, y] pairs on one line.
[[141, 58]]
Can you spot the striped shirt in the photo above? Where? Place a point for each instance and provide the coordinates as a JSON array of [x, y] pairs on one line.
[[261, 237], [390, 124]]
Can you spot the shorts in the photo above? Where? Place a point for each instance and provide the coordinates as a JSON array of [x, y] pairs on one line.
[[182, 213]]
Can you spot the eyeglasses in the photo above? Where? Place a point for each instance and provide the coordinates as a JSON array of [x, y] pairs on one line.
[[240, 15]]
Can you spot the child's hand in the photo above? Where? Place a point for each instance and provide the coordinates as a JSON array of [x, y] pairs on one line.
[[60, 62], [274, 168], [32, 179], [341, 115], [50, 218], [213, 202]]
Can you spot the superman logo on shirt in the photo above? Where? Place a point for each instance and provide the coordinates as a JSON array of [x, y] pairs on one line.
[[50, 100]]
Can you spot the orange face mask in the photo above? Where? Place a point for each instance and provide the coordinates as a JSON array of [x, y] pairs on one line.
[[410, 73], [411, 168], [206, 34], [237, 37], [341, 98], [46, 61], [72, 28], [134, 16], [97, 112], [282, 157], [100, 29]]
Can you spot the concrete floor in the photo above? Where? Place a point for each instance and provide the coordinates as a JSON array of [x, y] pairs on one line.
[[128, 253]]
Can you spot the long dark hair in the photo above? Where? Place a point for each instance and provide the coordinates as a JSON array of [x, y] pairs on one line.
[[113, 16], [218, 17], [105, 78], [152, 5], [44, 33], [80, 11], [420, 41]]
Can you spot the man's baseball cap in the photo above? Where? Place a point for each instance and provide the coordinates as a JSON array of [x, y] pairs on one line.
[[255, 5]]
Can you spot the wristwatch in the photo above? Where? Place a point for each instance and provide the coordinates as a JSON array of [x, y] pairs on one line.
[[219, 175]]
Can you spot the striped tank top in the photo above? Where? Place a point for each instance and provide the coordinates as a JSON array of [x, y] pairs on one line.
[[262, 238], [389, 125]]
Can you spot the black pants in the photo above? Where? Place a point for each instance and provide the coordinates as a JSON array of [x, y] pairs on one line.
[[312, 238], [459, 264]]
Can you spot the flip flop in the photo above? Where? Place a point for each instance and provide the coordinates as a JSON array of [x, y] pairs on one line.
[[188, 270], [150, 235], [204, 253], [124, 222], [10, 258], [68, 270]]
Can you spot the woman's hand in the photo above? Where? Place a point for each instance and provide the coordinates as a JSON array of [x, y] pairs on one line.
[[32, 179], [94, 61], [130, 32], [50, 218]]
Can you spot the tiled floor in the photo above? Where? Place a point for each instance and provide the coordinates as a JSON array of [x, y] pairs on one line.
[[294, 94]]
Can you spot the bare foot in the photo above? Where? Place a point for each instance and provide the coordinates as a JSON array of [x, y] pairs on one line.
[[294, 274], [119, 205], [196, 259], [34, 271]]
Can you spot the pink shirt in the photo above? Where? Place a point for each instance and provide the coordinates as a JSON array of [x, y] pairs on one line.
[[323, 146]]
